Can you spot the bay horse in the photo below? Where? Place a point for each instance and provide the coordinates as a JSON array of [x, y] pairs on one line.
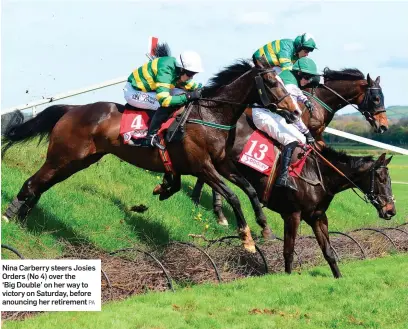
[[80, 135], [340, 88], [312, 200]]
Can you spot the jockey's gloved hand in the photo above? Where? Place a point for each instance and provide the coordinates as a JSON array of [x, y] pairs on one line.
[[309, 106], [309, 138], [195, 94]]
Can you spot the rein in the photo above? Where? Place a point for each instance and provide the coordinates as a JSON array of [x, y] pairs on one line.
[[262, 94], [360, 107], [367, 196]]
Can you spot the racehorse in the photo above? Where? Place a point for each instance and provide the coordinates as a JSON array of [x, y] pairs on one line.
[[312, 200], [340, 88], [80, 135]]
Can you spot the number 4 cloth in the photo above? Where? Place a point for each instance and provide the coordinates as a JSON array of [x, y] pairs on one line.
[[134, 124]]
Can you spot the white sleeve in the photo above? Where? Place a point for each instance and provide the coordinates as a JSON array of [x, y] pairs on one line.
[[296, 92]]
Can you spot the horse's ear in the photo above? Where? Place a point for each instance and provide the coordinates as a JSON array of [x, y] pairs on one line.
[[388, 160], [262, 62], [380, 161], [377, 81], [369, 80]]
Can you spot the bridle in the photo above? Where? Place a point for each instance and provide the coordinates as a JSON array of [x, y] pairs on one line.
[[371, 195], [260, 86], [363, 106]]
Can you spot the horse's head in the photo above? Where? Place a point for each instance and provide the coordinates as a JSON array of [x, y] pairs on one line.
[[376, 183], [273, 94], [371, 104], [353, 88], [243, 83]]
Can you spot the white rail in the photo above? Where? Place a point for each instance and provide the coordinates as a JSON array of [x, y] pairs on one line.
[[65, 95], [365, 140]]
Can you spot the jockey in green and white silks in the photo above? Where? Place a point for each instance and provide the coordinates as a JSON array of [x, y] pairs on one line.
[[289, 135], [163, 84], [282, 54]]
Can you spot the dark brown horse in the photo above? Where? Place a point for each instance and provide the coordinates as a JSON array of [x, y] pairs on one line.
[[312, 201], [340, 89], [313, 197], [80, 135]]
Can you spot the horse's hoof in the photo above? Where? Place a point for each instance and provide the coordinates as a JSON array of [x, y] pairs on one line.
[[158, 189], [165, 195], [5, 218], [222, 221], [250, 248], [267, 234]]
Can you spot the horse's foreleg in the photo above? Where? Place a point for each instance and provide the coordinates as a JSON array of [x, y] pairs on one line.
[[211, 177], [230, 172], [320, 228], [48, 175], [292, 222]]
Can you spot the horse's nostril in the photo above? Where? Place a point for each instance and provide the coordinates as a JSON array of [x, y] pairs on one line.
[[383, 129]]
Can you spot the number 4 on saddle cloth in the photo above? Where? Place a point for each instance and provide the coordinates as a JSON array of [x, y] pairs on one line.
[[262, 154], [135, 124]]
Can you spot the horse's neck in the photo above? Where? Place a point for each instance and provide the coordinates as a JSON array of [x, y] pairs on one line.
[[347, 89], [336, 183], [238, 93]]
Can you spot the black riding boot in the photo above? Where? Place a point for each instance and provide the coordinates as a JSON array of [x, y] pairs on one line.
[[161, 115], [284, 179]]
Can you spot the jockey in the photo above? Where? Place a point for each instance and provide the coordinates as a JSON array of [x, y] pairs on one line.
[[289, 135], [282, 54], [152, 87]]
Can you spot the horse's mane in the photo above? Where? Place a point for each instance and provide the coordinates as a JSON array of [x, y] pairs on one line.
[[345, 74], [161, 50], [227, 75], [340, 156]]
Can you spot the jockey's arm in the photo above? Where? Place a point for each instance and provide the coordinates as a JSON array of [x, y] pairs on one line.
[[285, 56], [295, 92], [189, 85], [165, 76]]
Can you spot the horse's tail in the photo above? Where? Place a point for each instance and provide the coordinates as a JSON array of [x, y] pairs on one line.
[[41, 125]]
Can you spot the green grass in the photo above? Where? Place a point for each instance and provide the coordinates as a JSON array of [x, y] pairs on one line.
[[372, 294], [93, 207]]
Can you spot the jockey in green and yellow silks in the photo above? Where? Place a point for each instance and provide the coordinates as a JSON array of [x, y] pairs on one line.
[[163, 84], [282, 54], [289, 135]]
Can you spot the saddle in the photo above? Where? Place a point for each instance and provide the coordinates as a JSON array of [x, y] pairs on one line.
[[135, 124]]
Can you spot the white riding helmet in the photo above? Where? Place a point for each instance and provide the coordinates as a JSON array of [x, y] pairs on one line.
[[191, 61]]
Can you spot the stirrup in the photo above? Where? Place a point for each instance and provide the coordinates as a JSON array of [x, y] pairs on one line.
[[155, 141], [285, 182]]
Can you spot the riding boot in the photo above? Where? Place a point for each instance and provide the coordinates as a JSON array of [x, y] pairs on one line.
[[161, 115], [284, 180]]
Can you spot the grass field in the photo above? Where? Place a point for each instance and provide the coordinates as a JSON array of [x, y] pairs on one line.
[[373, 294], [93, 207]]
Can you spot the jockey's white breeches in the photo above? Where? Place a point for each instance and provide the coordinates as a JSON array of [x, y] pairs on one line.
[[276, 127], [145, 100], [140, 99]]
